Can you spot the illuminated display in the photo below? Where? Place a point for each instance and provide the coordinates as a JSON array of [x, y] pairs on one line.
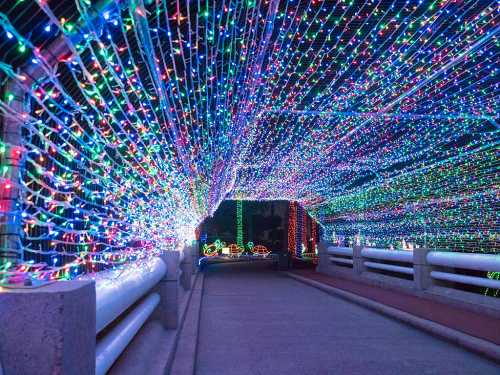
[[378, 118]]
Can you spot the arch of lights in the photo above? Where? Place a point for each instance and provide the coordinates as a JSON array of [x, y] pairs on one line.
[[379, 117]]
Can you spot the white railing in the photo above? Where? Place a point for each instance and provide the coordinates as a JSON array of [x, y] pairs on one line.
[[93, 319], [426, 267], [341, 255], [386, 255], [116, 292], [470, 261], [110, 347], [477, 262]]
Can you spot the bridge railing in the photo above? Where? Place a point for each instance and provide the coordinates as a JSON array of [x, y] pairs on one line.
[[420, 269], [125, 297], [83, 326]]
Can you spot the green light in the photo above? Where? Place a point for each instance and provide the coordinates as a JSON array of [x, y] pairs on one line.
[[239, 223]]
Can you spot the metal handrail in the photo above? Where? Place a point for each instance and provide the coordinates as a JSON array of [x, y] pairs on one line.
[[465, 279], [114, 343], [390, 267], [376, 258], [479, 262], [341, 260], [345, 251], [116, 294], [386, 254]]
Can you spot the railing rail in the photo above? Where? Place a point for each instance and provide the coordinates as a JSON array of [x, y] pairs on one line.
[[470, 261], [120, 289], [386, 254], [111, 346], [342, 255], [116, 291], [426, 267], [347, 251], [389, 267], [468, 280]]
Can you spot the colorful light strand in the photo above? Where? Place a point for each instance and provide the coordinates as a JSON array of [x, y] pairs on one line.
[[379, 116]]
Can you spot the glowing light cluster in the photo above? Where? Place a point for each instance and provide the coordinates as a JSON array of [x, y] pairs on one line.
[[302, 233], [378, 117]]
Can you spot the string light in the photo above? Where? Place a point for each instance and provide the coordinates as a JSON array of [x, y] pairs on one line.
[[292, 228], [239, 224], [379, 117]]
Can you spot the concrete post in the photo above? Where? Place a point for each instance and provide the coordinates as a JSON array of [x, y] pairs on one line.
[[357, 260], [49, 329], [324, 262], [186, 267], [195, 257], [168, 288], [422, 270], [284, 261]]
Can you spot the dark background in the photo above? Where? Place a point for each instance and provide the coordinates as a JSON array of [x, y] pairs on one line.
[[264, 223]]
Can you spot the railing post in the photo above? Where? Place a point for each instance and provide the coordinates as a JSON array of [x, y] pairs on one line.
[[195, 255], [168, 288], [186, 267], [323, 257], [357, 260], [421, 269], [49, 329]]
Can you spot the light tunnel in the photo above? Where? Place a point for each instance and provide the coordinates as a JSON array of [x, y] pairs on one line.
[[126, 123]]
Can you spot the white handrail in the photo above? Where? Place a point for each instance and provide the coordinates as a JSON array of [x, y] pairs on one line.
[[118, 290], [390, 267], [464, 279], [386, 254], [346, 251], [341, 260], [114, 343], [421, 263], [479, 262]]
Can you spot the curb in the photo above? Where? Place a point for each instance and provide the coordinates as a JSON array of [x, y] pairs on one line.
[[184, 356], [474, 344]]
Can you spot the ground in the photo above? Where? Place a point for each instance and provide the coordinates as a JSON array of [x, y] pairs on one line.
[[257, 321]]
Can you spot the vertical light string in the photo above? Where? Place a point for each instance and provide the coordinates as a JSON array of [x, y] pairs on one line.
[[299, 231], [314, 236], [239, 224], [381, 117], [305, 228], [292, 228]]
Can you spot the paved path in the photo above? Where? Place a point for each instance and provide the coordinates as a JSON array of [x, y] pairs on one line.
[[256, 321]]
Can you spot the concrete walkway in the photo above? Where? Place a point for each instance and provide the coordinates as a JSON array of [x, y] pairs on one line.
[[256, 321]]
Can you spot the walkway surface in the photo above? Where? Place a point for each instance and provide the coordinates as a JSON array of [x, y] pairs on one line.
[[255, 320]]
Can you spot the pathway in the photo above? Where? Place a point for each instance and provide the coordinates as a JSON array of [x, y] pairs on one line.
[[257, 321]]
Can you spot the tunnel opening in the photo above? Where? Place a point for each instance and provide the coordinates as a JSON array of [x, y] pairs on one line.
[[246, 230]]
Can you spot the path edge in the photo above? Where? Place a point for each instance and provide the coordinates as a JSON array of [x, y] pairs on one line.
[[471, 343], [186, 349]]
